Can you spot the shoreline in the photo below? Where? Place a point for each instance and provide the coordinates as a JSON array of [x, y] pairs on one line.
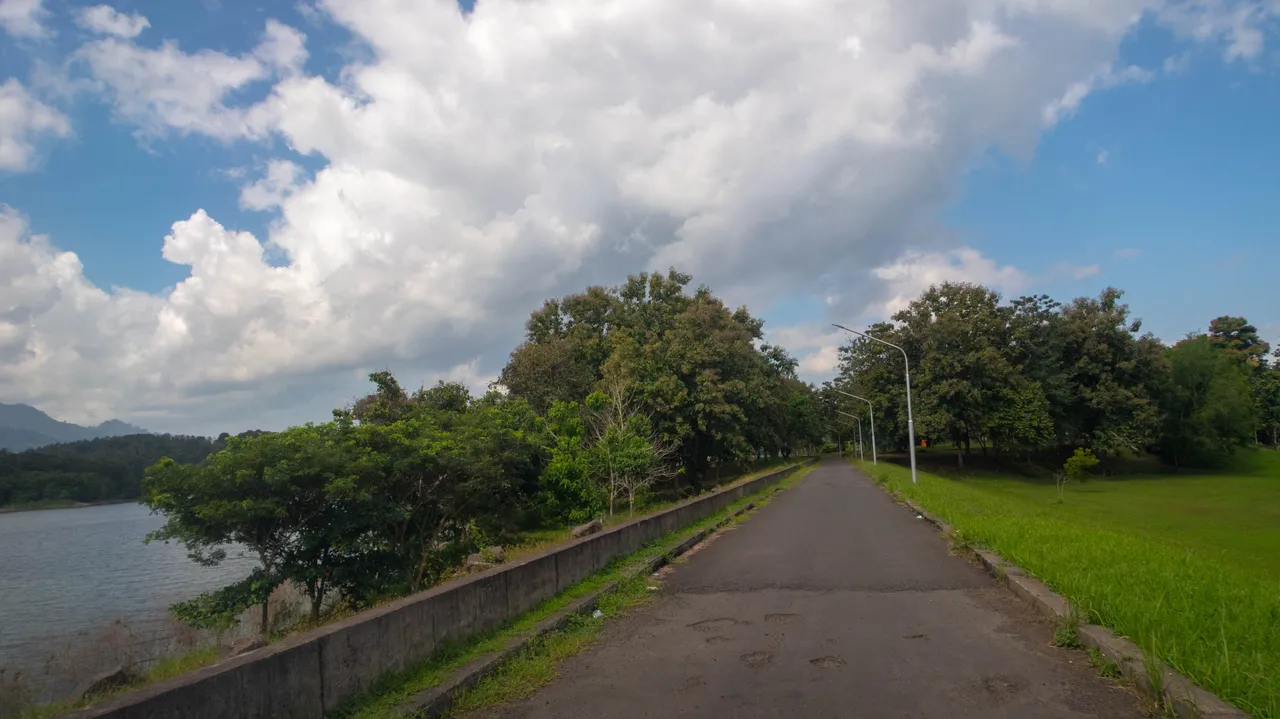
[[69, 505]]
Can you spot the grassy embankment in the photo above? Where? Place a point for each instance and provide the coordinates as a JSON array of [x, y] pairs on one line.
[[1185, 565], [536, 665]]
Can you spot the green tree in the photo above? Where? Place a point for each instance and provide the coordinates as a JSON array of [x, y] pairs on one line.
[[1112, 376], [270, 494], [1238, 338], [568, 493], [1209, 408]]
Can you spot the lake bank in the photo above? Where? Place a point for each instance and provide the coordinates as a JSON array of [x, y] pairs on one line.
[[62, 504]]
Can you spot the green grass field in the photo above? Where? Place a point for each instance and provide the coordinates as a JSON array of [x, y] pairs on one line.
[[1187, 566]]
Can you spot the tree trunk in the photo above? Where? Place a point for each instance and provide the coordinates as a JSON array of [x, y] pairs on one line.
[[262, 626]]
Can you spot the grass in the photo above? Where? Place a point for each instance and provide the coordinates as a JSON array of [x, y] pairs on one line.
[[165, 668], [535, 666], [1187, 566]]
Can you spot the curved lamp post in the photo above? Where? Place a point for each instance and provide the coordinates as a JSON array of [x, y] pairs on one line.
[[861, 456], [870, 410], [911, 425]]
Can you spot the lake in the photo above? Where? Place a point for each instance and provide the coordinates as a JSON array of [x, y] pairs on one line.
[[67, 574]]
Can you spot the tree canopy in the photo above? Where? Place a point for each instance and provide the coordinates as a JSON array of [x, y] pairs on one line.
[[1037, 377]]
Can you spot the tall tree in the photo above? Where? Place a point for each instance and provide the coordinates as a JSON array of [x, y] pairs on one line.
[[1209, 409], [1113, 376], [1238, 338]]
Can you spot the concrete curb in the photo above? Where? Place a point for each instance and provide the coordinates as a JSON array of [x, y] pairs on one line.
[[438, 700], [1176, 692]]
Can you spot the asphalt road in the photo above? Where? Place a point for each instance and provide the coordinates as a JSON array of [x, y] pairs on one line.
[[832, 601]]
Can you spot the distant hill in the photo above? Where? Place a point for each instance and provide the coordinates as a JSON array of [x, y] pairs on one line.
[[24, 427], [94, 470]]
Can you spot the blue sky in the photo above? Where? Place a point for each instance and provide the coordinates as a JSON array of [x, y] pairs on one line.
[[1158, 177]]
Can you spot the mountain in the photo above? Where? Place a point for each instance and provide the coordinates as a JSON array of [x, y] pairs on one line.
[[25, 427]]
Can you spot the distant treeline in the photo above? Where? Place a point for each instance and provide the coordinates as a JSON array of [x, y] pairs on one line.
[[95, 470]]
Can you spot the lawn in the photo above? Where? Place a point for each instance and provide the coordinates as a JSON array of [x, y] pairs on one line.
[[1187, 565]]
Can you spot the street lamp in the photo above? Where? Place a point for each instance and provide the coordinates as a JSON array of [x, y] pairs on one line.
[[861, 457], [911, 425], [870, 410]]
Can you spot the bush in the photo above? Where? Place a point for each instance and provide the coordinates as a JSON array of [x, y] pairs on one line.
[[1080, 464]]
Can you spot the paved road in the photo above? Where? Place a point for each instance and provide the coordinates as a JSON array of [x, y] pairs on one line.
[[831, 602]]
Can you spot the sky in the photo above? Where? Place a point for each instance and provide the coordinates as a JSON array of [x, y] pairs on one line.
[[217, 216]]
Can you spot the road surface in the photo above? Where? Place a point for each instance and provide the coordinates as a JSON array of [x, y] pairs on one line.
[[832, 601]]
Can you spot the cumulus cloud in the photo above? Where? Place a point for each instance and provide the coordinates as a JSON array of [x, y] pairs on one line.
[[106, 20], [164, 88], [23, 119], [23, 18], [472, 165]]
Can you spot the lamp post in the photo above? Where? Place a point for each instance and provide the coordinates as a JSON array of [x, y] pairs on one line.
[[870, 410], [861, 457], [906, 364]]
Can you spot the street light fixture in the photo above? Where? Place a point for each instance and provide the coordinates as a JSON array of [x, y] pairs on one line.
[[906, 363], [870, 410], [861, 457]]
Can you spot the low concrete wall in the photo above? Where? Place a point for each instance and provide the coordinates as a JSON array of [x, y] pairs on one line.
[[309, 674]]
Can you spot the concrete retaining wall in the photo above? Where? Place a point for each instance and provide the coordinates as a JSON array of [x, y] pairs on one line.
[[309, 674]]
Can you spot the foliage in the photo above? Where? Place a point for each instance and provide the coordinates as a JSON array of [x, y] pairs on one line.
[[280, 496], [221, 609], [92, 470], [568, 495], [1210, 410], [1035, 377], [1080, 464], [689, 363]]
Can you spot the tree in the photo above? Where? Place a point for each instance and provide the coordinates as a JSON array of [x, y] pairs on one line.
[[270, 494], [1112, 376], [626, 454], [568, 493], [1238, 338], [432, 471], [1267, 395], [1209, 407], [547, 372], [691, 363]]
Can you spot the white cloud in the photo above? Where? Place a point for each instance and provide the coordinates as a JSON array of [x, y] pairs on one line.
[[106, 20], [1103, 79], [914, 272], [167, 89], [281, 180], [1103, 156], [1239, 25], [473, 165], [1127, 253], [816, 348], [23, 18], [23, 119]]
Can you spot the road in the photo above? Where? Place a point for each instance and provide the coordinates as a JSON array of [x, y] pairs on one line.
[[832, 601]]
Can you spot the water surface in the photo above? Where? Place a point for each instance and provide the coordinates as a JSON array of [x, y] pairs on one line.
[[66, 574]]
